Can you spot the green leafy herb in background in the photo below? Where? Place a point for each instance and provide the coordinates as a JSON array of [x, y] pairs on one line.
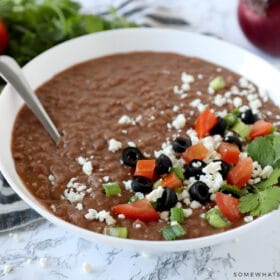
[[35, 26], [266, 150]]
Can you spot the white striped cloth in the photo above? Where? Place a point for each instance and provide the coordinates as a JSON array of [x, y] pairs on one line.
[[14, 212]]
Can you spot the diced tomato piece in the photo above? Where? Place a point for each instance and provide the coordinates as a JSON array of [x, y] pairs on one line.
[[241, 173], [229, 152], [197, 151], [228, 206], [205, 122], [260, 128], [172, 181], [145, 168], [141, 209]]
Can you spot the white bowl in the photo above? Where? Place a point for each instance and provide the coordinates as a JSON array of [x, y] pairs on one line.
[[43, 67]]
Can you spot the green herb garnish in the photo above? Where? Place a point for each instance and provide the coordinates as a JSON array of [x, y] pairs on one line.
[[233, 190], [177, 214], [35, 26], [179, 172], [173, 232], [217, 83], [241, 129], [261, 202], [112, 189], [120, 232], [266, 150]]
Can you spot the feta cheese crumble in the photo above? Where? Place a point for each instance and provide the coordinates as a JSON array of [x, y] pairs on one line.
[[114, 145], [154, 195], [179, 122], [102, 216]]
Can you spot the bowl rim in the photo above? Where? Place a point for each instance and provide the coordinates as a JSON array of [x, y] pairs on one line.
[[176, 245]]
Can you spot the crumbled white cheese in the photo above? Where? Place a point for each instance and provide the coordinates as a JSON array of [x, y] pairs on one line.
[[212, 167], [186, 78], [53, 207], [138, 118], [243, 82], [193, 135], [187, 212], [237, 102], [79, 206], [91, 214], [155, 194], [138, 225], [114, 145], [131, 144], [164, 215], [266, 172], [121, 216], [7, 269], [195, 103], [87, 267], [52, 179], [195, 204], [43, 262], [248, 219], [200, 76], [175, 108], [86, 165], [124, 120], [127, 185], [210, 90], [177, 90], [102, 216], [139, 195], [178, 205], [220, 100], [213, 181], [73, 196], [173, 223], [179, 122], [106, 179], [255, 105]]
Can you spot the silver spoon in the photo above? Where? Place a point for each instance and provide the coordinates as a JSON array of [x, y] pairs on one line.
[[12, 73]]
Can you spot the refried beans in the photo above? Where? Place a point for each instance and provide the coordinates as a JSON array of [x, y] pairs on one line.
[[101, 107]]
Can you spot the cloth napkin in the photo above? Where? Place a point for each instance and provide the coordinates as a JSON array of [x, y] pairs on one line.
[[14, 212]]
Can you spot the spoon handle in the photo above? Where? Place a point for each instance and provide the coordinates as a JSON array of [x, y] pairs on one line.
[[12, 73]]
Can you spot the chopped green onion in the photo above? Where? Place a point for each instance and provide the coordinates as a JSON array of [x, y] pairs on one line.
[[112, 189], [236, 112], [234, 190], [157, 183], [133, 199], [230, 119], [179, 172], [172, 232], [217, 83], [120, 232], [177, 214], [241, 129], [216, 219]]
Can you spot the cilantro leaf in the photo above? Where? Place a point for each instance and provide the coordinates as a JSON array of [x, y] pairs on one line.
[[35, 26], [266, 150], [272, 180], [261, 150], [261, 202]]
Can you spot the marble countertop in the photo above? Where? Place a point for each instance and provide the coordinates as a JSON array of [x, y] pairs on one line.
[[44, 251]]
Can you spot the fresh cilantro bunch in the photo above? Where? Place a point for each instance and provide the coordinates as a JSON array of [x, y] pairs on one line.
[[35, 26], [264, 196]]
